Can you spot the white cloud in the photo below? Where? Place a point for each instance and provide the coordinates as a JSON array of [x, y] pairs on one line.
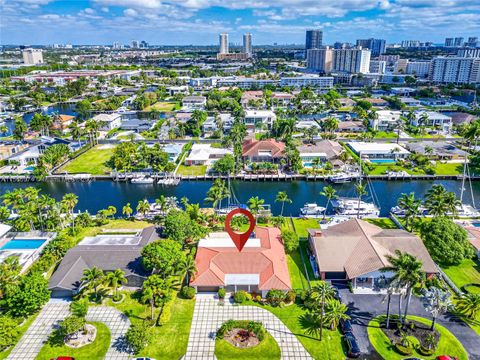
[[130, 13]]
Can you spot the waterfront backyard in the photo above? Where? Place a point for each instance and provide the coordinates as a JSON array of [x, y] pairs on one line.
[[93, 161]]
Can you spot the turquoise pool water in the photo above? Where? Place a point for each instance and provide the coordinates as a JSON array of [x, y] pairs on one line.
[[30, 168], [382, 161], [27, 244]]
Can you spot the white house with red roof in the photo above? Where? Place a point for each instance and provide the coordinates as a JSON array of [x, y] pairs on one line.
[[259, 267]]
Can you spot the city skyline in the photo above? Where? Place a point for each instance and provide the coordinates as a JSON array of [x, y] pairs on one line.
[[198, 22]]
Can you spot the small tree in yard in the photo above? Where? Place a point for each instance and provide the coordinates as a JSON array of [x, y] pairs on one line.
[[29, 296], [290, 240], [8, 332], [275, 297], [436, 302], [71, 325], [163, 257], [138, 337]]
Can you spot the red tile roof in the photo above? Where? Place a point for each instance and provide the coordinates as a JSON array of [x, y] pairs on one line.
[[252, 147], [268, 261]]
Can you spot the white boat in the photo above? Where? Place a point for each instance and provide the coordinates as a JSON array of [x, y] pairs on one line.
[[142, 180], [398, 211], [352, 207], [341, 178], [398, 174], [312, 210]]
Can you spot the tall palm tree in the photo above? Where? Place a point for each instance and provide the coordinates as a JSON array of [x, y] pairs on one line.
[[469, 305], [452, 203], [127, 210], [92, 278], [75, 131], [114, 279], [312, 324], [320, 294], [408, 272], [436, 302], [149, 296], [70, 201], [330, 193], [334, 312], [255, 204], [360, 189], [143, 207], [435, 201], [161, 202], [283, 198], [411, 207], [188, 267]]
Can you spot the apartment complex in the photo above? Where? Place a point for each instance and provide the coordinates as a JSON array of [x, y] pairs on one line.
[[32, 56], [326, 60], [314, 39], [247, 44], [376, 46], [455, 70], [223, 40]]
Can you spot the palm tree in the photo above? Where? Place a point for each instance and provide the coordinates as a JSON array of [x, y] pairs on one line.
[[320, 294], [435, 201], [334, 312], [161, 202], [115, 278], [149, 296], [255, 204], [188, 267], [283, 198], [127, 210], [411, 207], [430, 341], [436, 302], [70, 201], [391, 289], [452, 203], [330, 193], [92, 278], [76, 131], [316, 163], [408, 272], [143, 207], [360, 190], [312, 324], [469, 305]]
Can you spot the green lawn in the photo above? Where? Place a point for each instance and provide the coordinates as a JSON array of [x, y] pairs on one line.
[[385, 135], [296, 270], [448, 345], [301, 226], [448, 169], [330, 348], [163, 106], [467, 272], [194, 170], [170, 340], [384, 223], [94, 351], [92, 162], [267, 349]]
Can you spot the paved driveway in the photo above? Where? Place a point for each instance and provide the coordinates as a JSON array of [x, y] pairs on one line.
[[55, 311], [365, 307], [208, 317]]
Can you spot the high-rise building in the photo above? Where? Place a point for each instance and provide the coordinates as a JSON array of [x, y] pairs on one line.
[[473, 41], [32, 56], [320, 60], [458, 41], [376, 46], [410, 43], [144, 44], [135, 44], [420, 69], [342, 45], [356, 60], [460, 70], [247, 44], [313, 39], [475, 53], [377, 66], [448, 42], [223, 42]]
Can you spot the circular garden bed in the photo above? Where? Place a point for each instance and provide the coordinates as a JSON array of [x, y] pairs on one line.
[[473, 288], [416, 340], [245, 340]]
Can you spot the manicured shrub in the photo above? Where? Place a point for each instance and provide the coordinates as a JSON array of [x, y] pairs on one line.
[[252, 326], [138, 337], [258, 298], [71, 325], [248, 296], [404, 350], [240, 297], [274, 297], [291, 296], [221, 293], [166, 312], [8, 332], [290, 240], [426, 352], [188, 292]]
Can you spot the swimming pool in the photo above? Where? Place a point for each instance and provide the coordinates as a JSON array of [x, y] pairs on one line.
[[382, 161], [30, 168], [476, 224], [23, 244]]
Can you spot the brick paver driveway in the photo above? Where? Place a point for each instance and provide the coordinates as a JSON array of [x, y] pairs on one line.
[[55, 311], [208, 317]]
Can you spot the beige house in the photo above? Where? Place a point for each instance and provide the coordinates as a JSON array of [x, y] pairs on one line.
[[358, 251]]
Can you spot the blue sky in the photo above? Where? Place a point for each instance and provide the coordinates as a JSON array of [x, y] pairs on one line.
[[184, 22]]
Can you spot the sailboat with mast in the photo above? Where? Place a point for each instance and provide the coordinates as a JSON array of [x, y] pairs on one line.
[[232, 202], [465, 210], [351, 207]]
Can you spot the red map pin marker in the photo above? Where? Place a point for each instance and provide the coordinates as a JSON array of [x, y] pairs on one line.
[[239, 239]]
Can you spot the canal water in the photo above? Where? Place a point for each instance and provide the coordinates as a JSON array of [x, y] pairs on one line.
[[97, 195]]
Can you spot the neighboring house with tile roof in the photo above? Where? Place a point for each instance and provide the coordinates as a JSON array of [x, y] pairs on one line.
[[474, 237], [357, 250], [107, 252], [263, 150], [259, 267], [326, 150]]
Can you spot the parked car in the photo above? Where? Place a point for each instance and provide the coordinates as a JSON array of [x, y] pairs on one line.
[[143, 358], [353, 350], [345, 326], [446, 357], [63, 358]]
